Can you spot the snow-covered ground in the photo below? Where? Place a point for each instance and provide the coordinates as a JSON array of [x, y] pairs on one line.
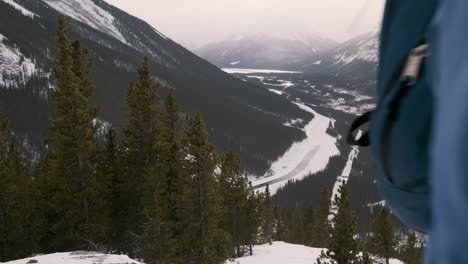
[[284, 253], [88, 12], [280, 253], [78, 257], [20, 8], [303, 158], [248, 71], [15, 68]]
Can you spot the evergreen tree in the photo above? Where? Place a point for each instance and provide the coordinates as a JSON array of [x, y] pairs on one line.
[[411, 251], [295, 227], [342, 247], [382, 241], [75, 206], [318, 227], [111, 171], [234, 191], [172, 189], [253, 217], [267, 216], [279, 225], [142, 160], [210, 242], [18, 229]]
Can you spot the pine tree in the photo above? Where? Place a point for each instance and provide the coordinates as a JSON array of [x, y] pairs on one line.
[[318, 227], [112, 174], [253, 217], [18, 229], [411, 251], [173, 186], [279, 225], [75, 207], [210, 242], [234, 191], [142, 161], [382, 241], [267, 216], [342, 247]]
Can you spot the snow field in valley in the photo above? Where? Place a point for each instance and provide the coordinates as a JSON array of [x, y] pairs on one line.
[[303, 158]]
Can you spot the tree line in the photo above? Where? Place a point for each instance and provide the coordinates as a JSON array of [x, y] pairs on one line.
[[336, 231], [159, 191]]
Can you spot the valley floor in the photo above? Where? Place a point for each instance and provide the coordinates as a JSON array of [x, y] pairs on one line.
[[303, 158]]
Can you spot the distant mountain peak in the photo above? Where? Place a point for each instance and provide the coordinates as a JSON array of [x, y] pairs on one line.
[[265, 50]]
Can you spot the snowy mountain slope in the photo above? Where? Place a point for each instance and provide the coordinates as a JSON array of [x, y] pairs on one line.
[[20, 8], [235, 111], [362, 48], [78, 257], [16, 69], [259, 50], [284, 253], [88, 12], [354, 60]]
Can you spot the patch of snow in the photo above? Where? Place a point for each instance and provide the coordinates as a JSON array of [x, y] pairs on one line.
[[302, 158], [20, 8], [247, 71], [284, 253], [340, 104], [77, 257], [286, 84], [15, 68], [88, 12], [260, 78], [377, 204], [294, 122], [317, 62], [275, 91], [367, 51], [102, 127], [234, 63], [280, 253]]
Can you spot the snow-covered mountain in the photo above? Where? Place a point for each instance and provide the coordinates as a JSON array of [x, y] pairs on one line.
[[355, 59], [260, 50], [235, 111]]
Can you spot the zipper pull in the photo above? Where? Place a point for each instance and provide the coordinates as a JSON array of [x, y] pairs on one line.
[[413, 64]]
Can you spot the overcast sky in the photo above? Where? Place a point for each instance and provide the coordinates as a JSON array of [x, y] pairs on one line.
[[197, 22]]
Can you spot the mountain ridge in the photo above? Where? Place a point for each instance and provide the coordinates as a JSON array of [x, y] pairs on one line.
[[241, 116]]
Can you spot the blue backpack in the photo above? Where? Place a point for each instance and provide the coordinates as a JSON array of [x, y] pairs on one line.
[[400, 127]]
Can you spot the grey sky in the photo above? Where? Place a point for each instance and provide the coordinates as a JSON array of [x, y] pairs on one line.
[[197, 22]]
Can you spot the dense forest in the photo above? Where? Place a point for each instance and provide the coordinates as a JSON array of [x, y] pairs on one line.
[[159, 191]]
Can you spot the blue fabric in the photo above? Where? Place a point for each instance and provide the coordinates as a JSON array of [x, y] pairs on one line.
[[449, 150], [406, 189]]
